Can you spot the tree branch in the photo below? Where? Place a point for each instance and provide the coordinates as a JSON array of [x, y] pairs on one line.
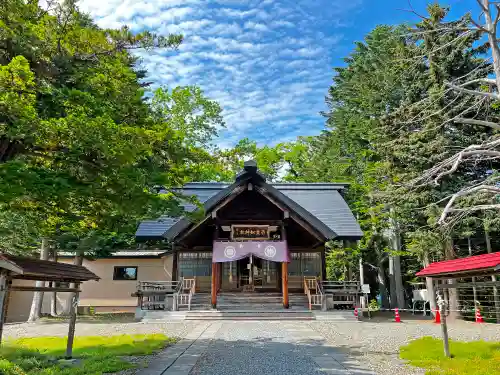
[[469, 121], [467, 191], [483, 80], [473, 92]]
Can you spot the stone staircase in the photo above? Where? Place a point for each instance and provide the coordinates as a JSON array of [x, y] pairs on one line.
[[246, 306]]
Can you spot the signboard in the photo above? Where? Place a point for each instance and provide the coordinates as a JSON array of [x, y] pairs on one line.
[[250, 232], [365, 288]]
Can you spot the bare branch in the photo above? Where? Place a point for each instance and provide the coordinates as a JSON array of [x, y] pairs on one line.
[[479, 207], [479, 26], [465, 192], [482, 6], [497, 17], [473, 92], [450, 165], [479, 80], [470, 121]]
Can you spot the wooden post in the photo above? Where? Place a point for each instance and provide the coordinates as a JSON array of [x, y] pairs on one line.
[[72, 323], [3, 294], [496, 294], [444, 327], [284, 272], [175, 261], [214, 285], [284, 277]]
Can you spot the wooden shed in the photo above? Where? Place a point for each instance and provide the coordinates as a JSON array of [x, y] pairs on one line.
[[14, 267]]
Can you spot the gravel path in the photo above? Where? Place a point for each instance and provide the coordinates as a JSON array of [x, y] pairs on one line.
[[172, 329], [258, 348], [377, 344]]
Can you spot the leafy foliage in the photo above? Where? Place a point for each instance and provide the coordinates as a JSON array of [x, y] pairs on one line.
[[83, 151]]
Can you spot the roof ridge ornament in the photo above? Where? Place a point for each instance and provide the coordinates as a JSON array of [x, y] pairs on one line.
[[250, 166], [250, 171]]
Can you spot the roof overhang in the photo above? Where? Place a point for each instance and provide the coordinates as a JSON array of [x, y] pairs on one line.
[[308, 221], [44, 270], [304, 209], [477, 265]]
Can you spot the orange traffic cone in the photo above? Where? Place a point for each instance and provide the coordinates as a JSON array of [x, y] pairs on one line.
[[479, 318], [356, 313], [397, 318], [437, 318]]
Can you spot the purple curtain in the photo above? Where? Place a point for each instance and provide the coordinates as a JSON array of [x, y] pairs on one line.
[[275, 251]]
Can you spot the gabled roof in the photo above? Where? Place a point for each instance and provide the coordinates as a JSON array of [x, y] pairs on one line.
[[477, 263], [319, 204], [36, 269]]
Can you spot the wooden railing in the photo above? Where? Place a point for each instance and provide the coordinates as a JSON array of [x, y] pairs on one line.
[[342, 292], [314, 292], [184, 294], [154, 294]]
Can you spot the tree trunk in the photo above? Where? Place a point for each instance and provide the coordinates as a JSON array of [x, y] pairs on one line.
[[392, 284], [431, 293], [453, 304], [397, 290], [36, 305], [492, 39], [382, 285], [78, 261], [474, 290], [53, 302], [496, 298]]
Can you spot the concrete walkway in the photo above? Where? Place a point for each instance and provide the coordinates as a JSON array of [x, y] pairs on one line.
[[254, 348]]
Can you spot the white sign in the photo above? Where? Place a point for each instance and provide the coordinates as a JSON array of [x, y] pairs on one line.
[[365, 288]]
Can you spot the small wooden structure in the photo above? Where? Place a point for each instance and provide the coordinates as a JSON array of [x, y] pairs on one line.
[[16, 267], [474, 281]]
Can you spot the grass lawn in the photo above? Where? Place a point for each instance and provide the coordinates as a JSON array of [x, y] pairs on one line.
[[468, 358], [95, 354]]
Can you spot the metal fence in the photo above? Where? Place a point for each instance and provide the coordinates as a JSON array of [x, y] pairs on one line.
[[464, 299]]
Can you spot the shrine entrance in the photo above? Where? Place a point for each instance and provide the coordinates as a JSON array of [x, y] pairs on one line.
[[251, 274]]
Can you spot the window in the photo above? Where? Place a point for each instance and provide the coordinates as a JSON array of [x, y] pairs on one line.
[[125, 273], [305, 264], [195, 264]]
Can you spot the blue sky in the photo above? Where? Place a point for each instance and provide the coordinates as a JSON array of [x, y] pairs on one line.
[[267, 62]]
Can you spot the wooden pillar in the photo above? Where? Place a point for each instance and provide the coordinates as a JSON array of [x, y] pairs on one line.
[[3, 298], [72, 322], [214, 285], [323, 264], [284, 272], [284, 277], [175, 260]]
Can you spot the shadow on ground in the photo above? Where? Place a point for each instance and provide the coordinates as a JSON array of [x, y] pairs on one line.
[[263, 355]]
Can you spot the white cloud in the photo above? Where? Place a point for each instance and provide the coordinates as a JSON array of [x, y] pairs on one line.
[[267, 62], [256, 26]]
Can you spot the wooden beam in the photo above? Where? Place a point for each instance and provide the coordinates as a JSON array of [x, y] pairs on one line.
[[46, 278], [214, 285], [284, 272], [3, 293], [42, 289], [175, 263], [228, 199], [323, 264], [284, 278], [72, 323]]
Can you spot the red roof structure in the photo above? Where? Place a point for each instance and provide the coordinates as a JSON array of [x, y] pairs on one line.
[[463, 266]]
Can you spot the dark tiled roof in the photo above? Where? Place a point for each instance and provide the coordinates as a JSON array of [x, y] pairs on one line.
[[36, 269], [322, 202]]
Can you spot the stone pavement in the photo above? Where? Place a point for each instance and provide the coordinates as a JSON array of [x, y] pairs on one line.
[[254, 348]]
